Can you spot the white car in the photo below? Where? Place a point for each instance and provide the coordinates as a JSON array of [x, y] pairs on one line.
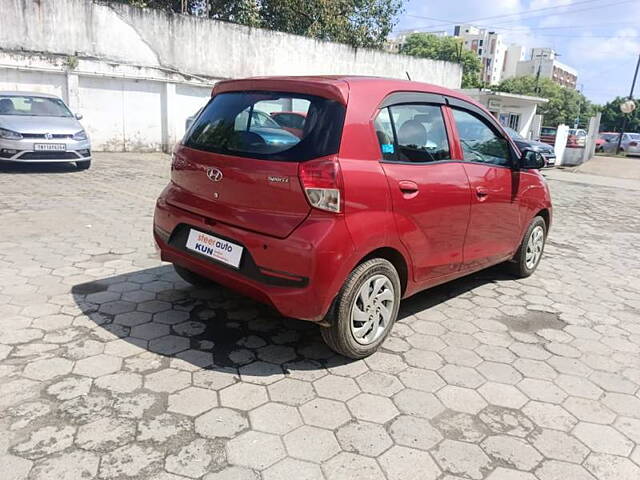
[[37, 127]]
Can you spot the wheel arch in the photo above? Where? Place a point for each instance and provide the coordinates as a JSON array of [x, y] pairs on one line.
[[397, 260], [546, 216]]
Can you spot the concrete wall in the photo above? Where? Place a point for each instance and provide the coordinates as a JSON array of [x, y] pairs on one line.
[[137, 74]]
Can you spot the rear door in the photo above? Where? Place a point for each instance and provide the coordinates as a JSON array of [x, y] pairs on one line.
[[494, 225], [238, 166], [429, 191]]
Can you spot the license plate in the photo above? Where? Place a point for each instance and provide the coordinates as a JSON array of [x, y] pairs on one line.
[[49, 147], [214, 247]]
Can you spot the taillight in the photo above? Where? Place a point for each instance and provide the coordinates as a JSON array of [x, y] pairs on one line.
[[322, 183], [633, 144]]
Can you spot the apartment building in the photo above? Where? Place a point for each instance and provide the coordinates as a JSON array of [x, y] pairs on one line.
[[514, 55], [489, 46], [545, 61]]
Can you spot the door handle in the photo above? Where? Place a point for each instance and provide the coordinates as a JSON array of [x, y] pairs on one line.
[[482, 193], [407, 186]]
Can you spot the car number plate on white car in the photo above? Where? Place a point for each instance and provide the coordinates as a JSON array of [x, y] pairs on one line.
[[214, 247], [49, 147]]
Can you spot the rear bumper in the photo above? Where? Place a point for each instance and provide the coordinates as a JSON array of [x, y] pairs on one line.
[[299, 275]]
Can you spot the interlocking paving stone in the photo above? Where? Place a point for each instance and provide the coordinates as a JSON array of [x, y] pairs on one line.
[[112, 367]]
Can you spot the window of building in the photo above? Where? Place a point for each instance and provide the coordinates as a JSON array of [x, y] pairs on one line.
[[480, 141], [514, 121]]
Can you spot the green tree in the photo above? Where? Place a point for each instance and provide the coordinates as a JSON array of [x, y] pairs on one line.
[[564, 104], [612, 117], [445, 48], [359, 23]]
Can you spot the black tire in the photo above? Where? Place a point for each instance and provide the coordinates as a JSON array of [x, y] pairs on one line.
[[83, 164], [338, 336], [192, 277], [519, 266]]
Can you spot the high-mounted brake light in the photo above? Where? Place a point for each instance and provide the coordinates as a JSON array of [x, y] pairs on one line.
[[322, 183]]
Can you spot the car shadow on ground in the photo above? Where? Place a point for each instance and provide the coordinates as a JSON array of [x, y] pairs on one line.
[[37, 167], [219, 330]]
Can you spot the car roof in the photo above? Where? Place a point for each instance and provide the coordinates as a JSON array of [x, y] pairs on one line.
[[10, 93], [335, 86]]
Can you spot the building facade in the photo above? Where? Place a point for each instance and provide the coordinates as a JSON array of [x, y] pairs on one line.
[[517, 112], [489, 46], [544, 60], [514, 55]]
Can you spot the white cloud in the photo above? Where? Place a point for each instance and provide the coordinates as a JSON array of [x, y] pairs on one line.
[[618, 46]]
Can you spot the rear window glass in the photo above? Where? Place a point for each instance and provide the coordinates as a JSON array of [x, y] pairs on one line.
[[247, 124], [547, 131]]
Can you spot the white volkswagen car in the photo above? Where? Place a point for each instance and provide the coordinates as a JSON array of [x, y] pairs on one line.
[[37, 127]]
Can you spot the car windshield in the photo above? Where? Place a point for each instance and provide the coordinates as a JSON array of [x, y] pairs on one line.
[[513, 134], [547, 131], [237, 123], [635, 136], [33, 106], [608, 136]]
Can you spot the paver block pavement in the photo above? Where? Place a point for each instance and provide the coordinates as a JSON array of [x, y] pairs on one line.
[[112, 367]]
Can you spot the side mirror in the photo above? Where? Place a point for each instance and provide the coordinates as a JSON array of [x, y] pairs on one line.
[[531, 160], [78, 116]]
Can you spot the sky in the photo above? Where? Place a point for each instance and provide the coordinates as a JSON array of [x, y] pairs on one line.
[[599, 38]]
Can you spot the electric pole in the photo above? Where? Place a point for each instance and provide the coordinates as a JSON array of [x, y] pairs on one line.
[[624, 116], [577, 122]]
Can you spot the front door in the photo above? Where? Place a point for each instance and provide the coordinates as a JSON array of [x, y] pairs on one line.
[[494, 226], [429, 191]]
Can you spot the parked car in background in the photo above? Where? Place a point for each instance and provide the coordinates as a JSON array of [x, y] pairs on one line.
[[630, 143], [291, 121], [545, 149], [577, 138], [548, 135], [394, 187], [603, 138], [37, 127]]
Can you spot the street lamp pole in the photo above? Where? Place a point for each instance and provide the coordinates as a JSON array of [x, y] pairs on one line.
[[624, 116]]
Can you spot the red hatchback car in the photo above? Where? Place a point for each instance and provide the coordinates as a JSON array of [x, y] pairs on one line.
[[393, 187]]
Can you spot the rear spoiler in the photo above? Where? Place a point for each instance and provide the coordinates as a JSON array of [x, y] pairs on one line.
[[337, 90]]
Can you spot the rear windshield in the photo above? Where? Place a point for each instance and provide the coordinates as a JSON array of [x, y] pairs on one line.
[[246, 124], [547, 131]]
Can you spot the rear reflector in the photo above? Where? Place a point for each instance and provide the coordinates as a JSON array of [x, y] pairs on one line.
[[322, 183]]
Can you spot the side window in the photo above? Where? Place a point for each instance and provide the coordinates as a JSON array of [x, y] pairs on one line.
[[384, 132], [480, 143], [420, 134]]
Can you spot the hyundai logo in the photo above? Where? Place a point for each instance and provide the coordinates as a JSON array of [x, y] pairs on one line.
[[48, 136], [214, 174]]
